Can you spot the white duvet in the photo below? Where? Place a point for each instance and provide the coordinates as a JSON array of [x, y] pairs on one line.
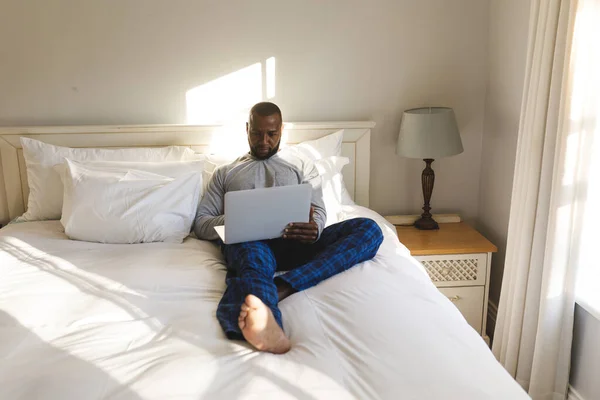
[[83, 320]]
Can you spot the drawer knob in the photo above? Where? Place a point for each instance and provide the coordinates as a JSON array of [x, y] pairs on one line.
[[454, 299], [446, 271]]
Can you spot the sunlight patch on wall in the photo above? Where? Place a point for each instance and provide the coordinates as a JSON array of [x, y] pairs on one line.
[[226, 101], [224, 98]]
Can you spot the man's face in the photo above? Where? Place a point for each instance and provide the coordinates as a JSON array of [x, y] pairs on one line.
[[264, 135]]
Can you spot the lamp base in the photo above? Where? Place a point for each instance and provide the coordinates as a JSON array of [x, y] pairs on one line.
[[426, 224], [427, 180]]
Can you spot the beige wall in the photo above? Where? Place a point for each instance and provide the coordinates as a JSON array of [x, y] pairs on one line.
[[509, 24], [122, 62]]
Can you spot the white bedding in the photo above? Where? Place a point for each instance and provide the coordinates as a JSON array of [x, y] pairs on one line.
[[84, 320]]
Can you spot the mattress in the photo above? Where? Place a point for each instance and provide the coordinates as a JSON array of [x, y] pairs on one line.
[[84, 320]]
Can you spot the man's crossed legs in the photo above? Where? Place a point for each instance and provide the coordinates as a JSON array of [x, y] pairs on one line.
[[248, 309]]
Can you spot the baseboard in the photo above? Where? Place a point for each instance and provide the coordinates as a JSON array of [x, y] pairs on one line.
[[491, 318], [573, 395]]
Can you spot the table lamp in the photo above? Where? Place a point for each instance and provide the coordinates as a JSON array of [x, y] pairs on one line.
[[428, 133]]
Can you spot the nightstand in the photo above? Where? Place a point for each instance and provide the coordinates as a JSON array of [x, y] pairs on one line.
[[457, 259]]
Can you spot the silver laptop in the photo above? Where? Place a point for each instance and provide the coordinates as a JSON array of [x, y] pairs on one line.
[[260, 214]]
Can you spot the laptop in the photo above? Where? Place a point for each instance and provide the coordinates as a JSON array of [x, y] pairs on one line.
[[260, 214]]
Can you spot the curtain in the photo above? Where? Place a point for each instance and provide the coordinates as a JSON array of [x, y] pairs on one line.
[[535, 314]]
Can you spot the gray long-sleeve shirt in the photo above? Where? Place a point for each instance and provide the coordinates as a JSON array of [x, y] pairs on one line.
[[247, 172]]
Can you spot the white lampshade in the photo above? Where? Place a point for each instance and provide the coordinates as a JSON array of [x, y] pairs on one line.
[[429, 132]]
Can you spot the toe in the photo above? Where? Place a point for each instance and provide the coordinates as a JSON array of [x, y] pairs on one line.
[[253, 302], [243, 314], [245, 307]]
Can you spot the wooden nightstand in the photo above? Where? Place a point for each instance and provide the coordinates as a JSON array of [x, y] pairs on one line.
[[457, 258]]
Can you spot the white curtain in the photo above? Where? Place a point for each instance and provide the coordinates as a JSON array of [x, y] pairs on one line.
[[551, 199]]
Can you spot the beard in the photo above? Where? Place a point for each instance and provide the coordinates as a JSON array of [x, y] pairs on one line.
[[272, 152]]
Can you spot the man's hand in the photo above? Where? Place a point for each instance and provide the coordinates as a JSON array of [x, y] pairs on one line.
[[304, 232]]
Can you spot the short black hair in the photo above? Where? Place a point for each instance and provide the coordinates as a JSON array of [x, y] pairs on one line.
[[265, 109]]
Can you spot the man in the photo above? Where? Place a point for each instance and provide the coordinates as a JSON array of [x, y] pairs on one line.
[[310, 253]]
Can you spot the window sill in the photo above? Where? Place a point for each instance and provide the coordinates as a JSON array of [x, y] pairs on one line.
[[589, 308]]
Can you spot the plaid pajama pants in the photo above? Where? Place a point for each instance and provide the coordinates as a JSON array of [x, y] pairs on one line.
[[252, 265]]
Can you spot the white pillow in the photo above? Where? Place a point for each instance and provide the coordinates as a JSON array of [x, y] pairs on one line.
[[327, 146], [332, 183], [45, 186], [214, 161], [128, 206], [170, 169]]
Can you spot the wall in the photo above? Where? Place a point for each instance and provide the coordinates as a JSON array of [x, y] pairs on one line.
[[585, 356], [507, 50], [127, 62]]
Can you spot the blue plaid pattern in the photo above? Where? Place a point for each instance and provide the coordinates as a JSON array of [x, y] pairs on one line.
[[251, 266]]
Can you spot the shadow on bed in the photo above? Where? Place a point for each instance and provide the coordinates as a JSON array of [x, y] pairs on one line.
[[31, 367], [87, 374]]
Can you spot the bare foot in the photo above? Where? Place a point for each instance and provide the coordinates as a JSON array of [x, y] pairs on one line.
[[260, 328]]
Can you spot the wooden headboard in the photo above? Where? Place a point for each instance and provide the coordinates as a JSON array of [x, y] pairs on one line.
[[356, 146]]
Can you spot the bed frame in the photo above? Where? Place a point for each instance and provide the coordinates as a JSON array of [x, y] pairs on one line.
[[356, 146]]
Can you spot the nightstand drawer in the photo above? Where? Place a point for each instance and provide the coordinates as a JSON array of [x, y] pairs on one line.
[[469, 300], [452, 270]]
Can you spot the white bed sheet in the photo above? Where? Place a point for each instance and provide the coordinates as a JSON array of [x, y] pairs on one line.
[[87, 321]]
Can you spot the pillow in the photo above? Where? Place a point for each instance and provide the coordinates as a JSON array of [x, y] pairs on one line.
[[318, 149], [214, 161], [327, 146], [128, 206], [170, 169], [45, 186], [332, 183]]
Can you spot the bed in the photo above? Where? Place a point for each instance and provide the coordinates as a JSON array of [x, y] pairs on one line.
[[81, 320]]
